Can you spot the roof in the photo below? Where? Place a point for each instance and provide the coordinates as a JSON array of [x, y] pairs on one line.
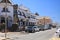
[[46, 17], [23, 7], [4, 1]]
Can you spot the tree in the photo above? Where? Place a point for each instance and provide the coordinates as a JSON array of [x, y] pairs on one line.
[[36, 14]]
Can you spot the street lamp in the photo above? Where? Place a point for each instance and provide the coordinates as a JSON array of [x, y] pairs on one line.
[[5, 21]]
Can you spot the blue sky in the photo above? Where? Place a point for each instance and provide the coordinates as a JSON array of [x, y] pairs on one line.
[[49, 8]]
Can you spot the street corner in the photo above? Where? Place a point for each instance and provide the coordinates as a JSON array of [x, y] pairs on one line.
[[55, 38]]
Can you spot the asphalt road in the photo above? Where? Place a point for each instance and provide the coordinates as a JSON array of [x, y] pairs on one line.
[[42, 35]]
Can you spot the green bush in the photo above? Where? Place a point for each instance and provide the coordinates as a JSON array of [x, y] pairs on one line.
[[14, 27], [2, 26]]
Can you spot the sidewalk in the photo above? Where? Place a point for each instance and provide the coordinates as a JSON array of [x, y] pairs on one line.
[[11, 35]]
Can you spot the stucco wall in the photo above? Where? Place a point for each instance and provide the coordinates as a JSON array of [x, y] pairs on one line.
[[10, 9]]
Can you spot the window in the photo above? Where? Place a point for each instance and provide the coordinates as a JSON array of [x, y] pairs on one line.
[[19, 13], [24, 14], [5, 10], [15, 11]]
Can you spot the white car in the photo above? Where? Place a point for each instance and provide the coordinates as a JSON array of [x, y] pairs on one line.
[[31, 29], [36, 28], [58, 32]]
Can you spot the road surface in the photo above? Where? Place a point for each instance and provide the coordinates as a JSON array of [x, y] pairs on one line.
[[42, 35]]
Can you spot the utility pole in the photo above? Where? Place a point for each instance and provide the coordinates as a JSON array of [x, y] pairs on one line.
[[6, 21]]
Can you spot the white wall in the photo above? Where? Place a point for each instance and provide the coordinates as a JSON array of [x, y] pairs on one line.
[[10, 13], [10, 8]]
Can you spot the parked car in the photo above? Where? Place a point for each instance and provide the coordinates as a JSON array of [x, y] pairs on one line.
[[47, 27], [31, 29], [41, 27], [58, 32], [21, 28], [44, 27], [36, 28]]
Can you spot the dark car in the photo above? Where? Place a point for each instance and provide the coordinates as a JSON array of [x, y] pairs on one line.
[[29, 29]]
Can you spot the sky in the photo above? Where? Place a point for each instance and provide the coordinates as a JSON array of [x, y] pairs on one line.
[[49, 8]]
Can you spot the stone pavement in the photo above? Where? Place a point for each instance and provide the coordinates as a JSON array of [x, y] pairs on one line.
[[42, 35], [2, 35]]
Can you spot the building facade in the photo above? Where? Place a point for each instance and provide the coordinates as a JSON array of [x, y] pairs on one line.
[[6, 12], [8, 15], [45, 20], [25, 16], [12, 14], [21, 15]]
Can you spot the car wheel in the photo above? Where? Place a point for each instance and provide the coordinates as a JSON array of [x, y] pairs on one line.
[[39, 29], [42, 29]]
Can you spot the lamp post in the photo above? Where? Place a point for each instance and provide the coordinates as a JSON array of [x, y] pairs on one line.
[[5, 21]]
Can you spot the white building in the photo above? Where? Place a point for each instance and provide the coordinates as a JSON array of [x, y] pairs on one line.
[[25, 14], [6, 11], [15, 14]]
